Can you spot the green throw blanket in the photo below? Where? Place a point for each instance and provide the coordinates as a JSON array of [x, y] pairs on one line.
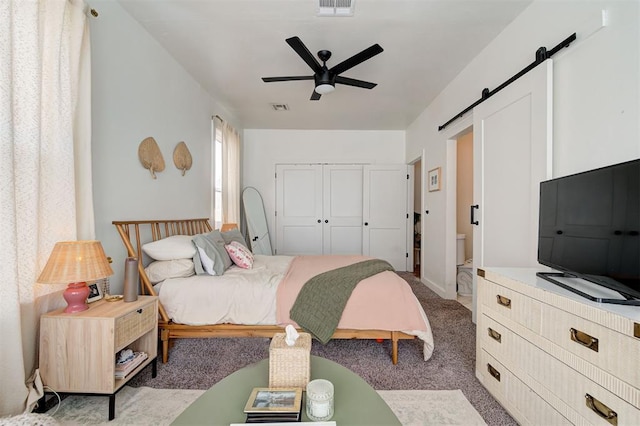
[[319, 305]]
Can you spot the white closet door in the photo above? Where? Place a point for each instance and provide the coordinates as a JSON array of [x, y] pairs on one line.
[[512, 155], [385, 213], [298, 209], [342, 205]]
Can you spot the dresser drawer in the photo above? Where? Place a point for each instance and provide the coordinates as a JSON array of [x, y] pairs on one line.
[[607, 349], [130, 326], [497, 340], [512, 392], [570, 386], [510, 304]]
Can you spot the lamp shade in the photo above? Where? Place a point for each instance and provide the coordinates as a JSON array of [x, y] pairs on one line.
[[75, 261]]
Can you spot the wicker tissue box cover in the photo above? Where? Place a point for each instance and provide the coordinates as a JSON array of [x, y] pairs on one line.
[[289, 365]]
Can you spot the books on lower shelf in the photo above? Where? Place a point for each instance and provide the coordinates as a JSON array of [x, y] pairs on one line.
[[128, 361]]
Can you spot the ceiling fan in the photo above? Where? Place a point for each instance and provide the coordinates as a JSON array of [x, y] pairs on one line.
[[326, 78]]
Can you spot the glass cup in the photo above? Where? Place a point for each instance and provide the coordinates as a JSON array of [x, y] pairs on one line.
[[319, 400]]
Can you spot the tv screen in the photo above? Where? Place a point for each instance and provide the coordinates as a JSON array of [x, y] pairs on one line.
[[589, 228]]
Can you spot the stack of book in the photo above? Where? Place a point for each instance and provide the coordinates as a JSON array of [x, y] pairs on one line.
[[274, 405], [127, 365]]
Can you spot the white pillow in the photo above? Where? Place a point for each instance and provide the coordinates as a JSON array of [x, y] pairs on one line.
[[207, 262], [161, 270], [170, 248]]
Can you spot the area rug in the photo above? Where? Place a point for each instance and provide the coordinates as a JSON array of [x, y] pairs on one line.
[[148, 406], [431, 407]]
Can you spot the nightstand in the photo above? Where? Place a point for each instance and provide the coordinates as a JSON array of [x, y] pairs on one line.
[[78, 351]]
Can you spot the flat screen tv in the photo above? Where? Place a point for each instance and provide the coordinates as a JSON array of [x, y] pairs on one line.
[[589, 228]]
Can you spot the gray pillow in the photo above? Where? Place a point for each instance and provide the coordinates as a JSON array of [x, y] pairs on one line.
[[234, 235], [197, 263], [212, 244]]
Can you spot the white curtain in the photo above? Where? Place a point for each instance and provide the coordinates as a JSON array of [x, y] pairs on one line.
[[44, 151], [230, 174]]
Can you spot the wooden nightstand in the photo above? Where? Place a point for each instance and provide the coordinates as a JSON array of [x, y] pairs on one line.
[[78, 351]]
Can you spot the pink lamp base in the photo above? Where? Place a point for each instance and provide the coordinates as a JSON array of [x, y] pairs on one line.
[[76, 296]]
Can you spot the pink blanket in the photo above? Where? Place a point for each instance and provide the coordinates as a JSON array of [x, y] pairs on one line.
[[381, 302]]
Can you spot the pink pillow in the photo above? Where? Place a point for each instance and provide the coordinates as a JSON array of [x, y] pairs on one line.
[[240, 255]]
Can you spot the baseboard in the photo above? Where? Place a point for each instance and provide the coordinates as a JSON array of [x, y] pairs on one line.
[[434, 287]]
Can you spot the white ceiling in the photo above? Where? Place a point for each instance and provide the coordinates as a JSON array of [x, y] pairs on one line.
[[228, 45]]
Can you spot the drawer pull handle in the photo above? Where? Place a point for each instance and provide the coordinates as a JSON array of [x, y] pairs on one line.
[[495, 373], [601, 410], [139, 311], [636, 329], [495, 335], [584, 339], [504, 301]]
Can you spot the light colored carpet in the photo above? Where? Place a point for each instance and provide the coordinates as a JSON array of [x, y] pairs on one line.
[[148, 406]]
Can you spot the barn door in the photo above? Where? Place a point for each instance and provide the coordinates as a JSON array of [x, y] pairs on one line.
[[512, 155]]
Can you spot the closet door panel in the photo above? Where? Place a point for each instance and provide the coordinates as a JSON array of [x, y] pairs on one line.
[[342, 209], [385, 214], [299, 209]]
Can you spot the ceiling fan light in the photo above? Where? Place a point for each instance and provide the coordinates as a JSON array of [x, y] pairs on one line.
[[323, 89]]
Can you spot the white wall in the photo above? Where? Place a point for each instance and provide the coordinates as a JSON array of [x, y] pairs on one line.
[[139, 90], [596, 99], [263, 149]]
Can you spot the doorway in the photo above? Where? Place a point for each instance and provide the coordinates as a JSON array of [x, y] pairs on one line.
[[464, 228], [417, 217]]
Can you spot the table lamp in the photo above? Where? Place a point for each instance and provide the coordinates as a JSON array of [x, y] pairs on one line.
[[75, 263]]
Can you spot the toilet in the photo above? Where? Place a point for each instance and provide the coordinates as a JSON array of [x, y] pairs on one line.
[[464, 278]]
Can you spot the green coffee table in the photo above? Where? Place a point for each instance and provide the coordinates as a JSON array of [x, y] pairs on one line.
[[355, 402]]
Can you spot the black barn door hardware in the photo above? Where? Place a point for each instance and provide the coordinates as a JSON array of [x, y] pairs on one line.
[[473, 220], [542, 54]]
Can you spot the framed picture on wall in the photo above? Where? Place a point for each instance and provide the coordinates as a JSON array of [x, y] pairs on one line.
[[434, 179]]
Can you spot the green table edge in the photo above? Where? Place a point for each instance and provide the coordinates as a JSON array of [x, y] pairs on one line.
[[355, 401]]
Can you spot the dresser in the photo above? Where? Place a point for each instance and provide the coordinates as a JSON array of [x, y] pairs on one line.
[[78, 351], [551, 357]]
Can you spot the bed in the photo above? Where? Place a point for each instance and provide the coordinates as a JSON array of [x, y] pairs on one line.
[[265, 308]]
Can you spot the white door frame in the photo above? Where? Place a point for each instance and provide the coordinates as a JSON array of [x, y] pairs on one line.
[[452, 134], [411, 208]]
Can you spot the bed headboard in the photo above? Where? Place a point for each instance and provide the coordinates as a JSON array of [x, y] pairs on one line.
[[135, 233]]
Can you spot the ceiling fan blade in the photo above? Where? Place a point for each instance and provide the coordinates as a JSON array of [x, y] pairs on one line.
[[291, 78], [356, 59], [315, 96], [353, 82], [302, 51]]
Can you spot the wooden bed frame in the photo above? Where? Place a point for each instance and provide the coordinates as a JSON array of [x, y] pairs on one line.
[[135, 233]]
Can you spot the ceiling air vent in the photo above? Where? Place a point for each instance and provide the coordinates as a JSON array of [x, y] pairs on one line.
[[280, 107], [335, 7]]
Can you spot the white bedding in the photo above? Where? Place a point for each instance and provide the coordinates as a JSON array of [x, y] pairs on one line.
[[243, 296], [250, 294]]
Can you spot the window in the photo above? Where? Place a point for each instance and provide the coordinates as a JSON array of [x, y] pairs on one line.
[[226, 173], [217, 173]]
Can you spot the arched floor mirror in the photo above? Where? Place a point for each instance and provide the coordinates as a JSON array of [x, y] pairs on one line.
[[256, 221]]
